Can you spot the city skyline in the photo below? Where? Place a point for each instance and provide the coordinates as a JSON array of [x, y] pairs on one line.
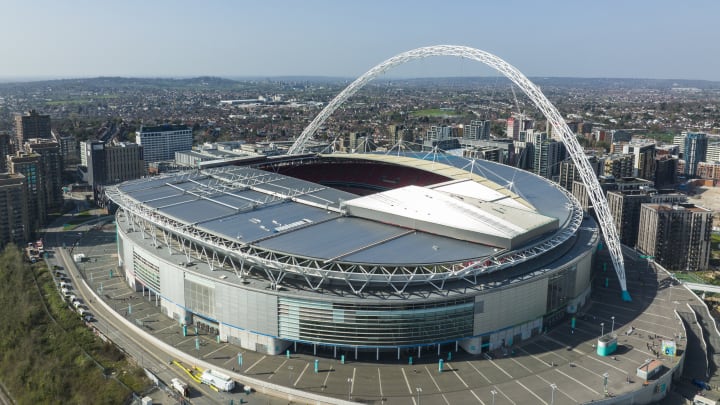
[[321, 38]]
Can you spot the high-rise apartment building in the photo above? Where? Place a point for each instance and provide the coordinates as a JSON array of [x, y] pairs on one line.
[[696, 144], [31, 125], [644, 158], [625, 209], [6, 148], [619, 166], [548, 154], [439, 133], [677, 235], [68, 148], [570, 174], [14, 216], [161, 142], [51, 167], [517, 124], [477, 130], [713, 151], [666, 171], [400, 133], [30, 166]]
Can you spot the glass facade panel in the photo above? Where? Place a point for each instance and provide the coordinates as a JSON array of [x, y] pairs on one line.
[[375, 325], [147, 272]]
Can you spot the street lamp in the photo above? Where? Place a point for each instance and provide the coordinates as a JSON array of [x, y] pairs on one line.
[[602, 329], [290, 369], [552, 394], [613, 324], [605, 383], [419, 390], [349, 381], [493, 392]]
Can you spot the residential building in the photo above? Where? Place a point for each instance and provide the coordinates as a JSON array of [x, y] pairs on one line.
[[477, 130], [619, 165], [625, 209], [695, 152], [14, 215], [666, 171], [68, 148], [676, 235], [30, 166], [548, 154], [644, 158], [6, 148], [713, 152], [400, 133], [31, 125], [51, 166], [709, 171], [570, 174]]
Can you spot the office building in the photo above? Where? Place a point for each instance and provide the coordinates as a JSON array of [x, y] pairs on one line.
[[676, 235], [14, 215], [161, 142], [31, 125], [111, 164]]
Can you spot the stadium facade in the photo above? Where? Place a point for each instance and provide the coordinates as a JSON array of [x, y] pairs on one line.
[[378, 253]]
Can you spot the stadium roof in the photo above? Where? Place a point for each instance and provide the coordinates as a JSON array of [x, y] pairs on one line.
[[289, 216]]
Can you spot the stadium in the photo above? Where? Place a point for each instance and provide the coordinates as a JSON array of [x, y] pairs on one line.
[[389, 254]]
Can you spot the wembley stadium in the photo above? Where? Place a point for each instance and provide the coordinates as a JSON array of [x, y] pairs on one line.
[[358, 252]]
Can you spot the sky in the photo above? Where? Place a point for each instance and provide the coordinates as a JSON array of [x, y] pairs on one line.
[[345, 38]]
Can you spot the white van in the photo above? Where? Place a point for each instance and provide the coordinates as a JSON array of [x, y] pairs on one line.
[[65, 285]]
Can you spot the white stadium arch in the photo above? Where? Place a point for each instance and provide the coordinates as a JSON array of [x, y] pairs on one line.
[[551, 113]]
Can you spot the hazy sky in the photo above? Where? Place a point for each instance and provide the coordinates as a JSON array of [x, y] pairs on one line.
[[678, 39]]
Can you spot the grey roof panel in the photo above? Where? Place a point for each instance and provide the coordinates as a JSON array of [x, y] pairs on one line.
[[196, 211], [425, 248], [333, 238], [176, 199], [152, 194], [252, 225]]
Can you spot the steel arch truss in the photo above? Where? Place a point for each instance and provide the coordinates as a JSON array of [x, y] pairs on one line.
[[551, 113]]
